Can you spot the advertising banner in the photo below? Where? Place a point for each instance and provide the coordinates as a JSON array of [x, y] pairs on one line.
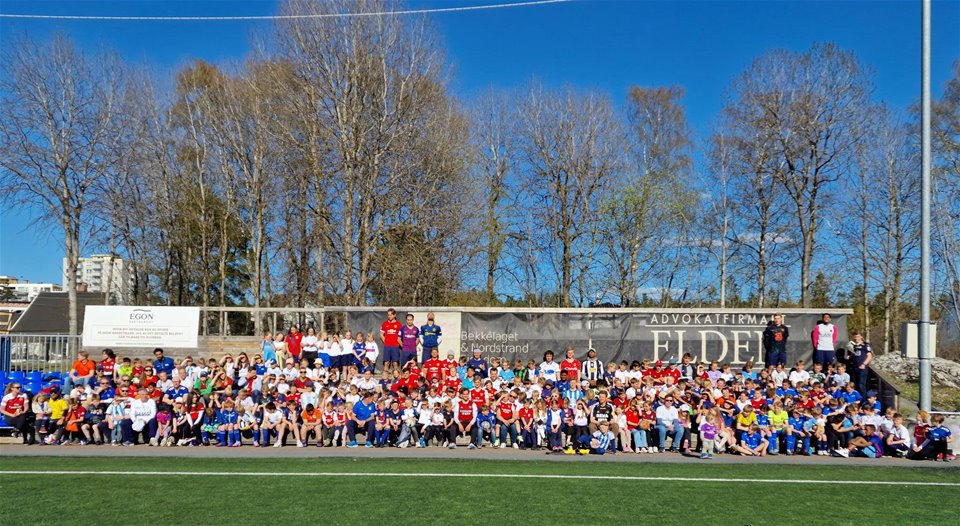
[[114, 326], [725, 335]]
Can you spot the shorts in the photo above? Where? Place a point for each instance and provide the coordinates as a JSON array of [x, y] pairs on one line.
[[826, 357], [391, 354], [309, 357], [325, 358], [406, 356], [344, 360]]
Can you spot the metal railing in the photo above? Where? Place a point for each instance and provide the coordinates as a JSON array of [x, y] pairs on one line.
[[38, 352], [887, 393]]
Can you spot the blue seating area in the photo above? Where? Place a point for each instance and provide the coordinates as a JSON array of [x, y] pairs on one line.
[[32, 381]]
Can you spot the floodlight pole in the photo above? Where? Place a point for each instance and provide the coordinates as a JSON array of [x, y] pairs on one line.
[[923, 327]]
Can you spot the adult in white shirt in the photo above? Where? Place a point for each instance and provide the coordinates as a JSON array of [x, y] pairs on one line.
[[143, 413], [668, 424]]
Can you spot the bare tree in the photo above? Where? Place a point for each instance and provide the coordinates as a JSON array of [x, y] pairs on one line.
[[58, 126], [571, 148], [375, 79], [718, 215], [812, 105], [946, 202], [494, 138]]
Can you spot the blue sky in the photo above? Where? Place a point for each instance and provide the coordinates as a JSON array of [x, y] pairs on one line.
[[606, 45]]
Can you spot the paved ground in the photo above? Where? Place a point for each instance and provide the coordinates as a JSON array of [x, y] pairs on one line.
[[436, 453]]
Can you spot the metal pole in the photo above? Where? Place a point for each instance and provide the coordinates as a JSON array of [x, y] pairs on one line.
[[923, 328]]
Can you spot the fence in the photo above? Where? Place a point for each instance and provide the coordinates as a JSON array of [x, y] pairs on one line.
[[38, 352], [887, 393]]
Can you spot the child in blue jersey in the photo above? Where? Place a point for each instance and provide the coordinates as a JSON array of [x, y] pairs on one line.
[[601, 442], [763, 420], [796, 423], [486, 424], [208, 425], [228, 432], [395, 416], [752, 443], [382, 425], [935, 447], [359, 350]]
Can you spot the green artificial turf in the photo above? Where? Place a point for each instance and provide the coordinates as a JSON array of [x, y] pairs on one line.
[[235, 499]]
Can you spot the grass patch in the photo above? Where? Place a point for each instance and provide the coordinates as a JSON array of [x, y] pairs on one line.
[[943, 398], [342, 500]]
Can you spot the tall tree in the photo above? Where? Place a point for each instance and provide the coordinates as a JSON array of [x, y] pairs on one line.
[[58, 129], [811, 106], [494, 144], [946, 202], [378, 83], [653, 201], [571, 146]]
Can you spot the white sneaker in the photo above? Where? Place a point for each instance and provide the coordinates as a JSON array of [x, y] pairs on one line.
[[503, 445], [153, 441], [452, 446], [403, 444], [516, 446], [278, 444], [299, 444]]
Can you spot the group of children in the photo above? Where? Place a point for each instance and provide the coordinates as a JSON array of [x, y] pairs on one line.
[[639, 407]]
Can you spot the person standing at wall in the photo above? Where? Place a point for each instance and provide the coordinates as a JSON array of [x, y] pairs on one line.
[[390, 335], [430, 337], [824, 340], [859, 355], [775, 340]]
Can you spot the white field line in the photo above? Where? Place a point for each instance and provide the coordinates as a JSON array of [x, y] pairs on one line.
[[479, 475]]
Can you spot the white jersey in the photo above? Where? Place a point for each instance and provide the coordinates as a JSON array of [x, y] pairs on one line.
[[309, 344], [272, 417], [825, 336], [550, 370]]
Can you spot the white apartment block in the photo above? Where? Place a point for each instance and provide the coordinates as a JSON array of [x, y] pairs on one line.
[[104, 273], [29, 291], [15, 290]]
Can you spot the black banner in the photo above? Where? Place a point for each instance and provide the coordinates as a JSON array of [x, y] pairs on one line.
[[724, 335]]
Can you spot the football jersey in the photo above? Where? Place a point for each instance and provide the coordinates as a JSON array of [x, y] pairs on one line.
[[751, 440], [391, 333], [408, 338]]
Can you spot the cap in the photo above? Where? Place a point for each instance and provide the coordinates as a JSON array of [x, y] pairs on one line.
[[659, 363], [308, 384], [594, 351], [672, 361], [318, 361], [204, 373], [871, 393]]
